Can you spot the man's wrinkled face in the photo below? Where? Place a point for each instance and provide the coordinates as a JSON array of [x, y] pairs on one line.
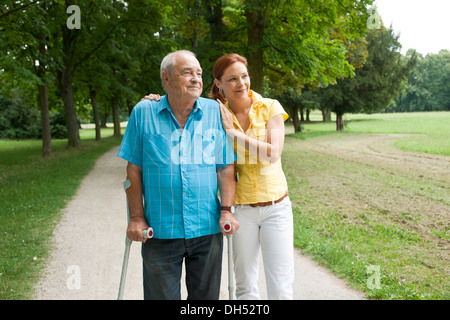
[[186, 78]]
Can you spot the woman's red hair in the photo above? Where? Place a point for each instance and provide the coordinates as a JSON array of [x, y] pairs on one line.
[[219, 68]]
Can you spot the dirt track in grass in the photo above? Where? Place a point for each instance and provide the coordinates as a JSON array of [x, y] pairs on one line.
[[374, 172]]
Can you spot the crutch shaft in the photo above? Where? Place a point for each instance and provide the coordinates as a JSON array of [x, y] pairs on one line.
[[230, 267], [147, 234], [123, 276], [227, 228]]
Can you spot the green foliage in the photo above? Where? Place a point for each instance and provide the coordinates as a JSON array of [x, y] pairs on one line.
[[58, 125], [18, 120], [21, 121], [301, 47], [292, 45], [428, 86], [376, 83]]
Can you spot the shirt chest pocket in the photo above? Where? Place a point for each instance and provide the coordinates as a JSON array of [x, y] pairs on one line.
[[258, 131], [156, 150]]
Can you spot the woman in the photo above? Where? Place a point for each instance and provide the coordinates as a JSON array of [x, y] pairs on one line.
[[262, 204], [263, 207]]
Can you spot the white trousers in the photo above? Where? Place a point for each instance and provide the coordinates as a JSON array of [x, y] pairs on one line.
[[270, 229]]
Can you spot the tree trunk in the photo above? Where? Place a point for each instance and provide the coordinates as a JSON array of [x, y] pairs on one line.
[[43, 100], [73, 133], [65, 82], [339, 122], [116, 116], [104, 119], [93, 94], [130, 106], [295, 120], [214, 18], [256, 23], [326, 115], [194, 40]]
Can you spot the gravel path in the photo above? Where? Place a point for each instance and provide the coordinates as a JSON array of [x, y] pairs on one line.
[[86, 261]]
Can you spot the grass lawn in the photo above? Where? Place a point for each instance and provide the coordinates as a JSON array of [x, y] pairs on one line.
[[431, 130], [366, 220], [33, 192]]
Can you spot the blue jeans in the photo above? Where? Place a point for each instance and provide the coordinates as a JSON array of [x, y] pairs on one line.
[[162, 265]]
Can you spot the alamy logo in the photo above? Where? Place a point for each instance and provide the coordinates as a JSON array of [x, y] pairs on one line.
[[74, 21], [374, 21], [373, 282], [73, 282]]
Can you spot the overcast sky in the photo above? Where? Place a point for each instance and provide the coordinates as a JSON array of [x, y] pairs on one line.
[[423, 25]]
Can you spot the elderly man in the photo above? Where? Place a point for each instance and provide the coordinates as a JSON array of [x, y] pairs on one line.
[[178, 157]]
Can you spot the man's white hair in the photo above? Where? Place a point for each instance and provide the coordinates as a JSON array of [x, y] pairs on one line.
[[168, 63]]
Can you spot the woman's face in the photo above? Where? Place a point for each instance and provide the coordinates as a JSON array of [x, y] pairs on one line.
[[235, 81]]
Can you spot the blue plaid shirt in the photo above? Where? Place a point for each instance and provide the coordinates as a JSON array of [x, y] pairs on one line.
[[178, 166]]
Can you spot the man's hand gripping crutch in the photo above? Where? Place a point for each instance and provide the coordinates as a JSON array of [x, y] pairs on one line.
[[147, 233]]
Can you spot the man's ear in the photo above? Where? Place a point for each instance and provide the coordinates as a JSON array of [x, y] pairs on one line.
[[165, 77]]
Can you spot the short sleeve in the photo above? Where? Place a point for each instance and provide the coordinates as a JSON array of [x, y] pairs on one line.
[[131, 146], [276, 108]]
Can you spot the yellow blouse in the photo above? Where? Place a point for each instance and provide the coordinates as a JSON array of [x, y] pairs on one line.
[[258, 180]]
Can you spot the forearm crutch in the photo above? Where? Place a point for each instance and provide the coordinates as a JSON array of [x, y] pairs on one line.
[[146, 234], [227, 228]]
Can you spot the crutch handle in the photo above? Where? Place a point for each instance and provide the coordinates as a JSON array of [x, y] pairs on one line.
[[148, 234], [227, 226]]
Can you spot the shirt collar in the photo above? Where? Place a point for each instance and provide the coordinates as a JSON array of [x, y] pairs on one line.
[[258, 100], [165, 105], [257, 103]]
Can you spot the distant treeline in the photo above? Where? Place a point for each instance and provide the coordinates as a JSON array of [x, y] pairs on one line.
[[428, 85]]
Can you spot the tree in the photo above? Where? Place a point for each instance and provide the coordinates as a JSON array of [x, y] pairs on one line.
[[52, 45], [376, 83], [25, 39], [92, 80], [78, 45], [293, 38], [114, 57], [428, 85], [290, 101], [42, 87]]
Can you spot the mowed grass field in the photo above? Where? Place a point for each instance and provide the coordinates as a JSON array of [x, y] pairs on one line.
[[372, 208], [431, 130]]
